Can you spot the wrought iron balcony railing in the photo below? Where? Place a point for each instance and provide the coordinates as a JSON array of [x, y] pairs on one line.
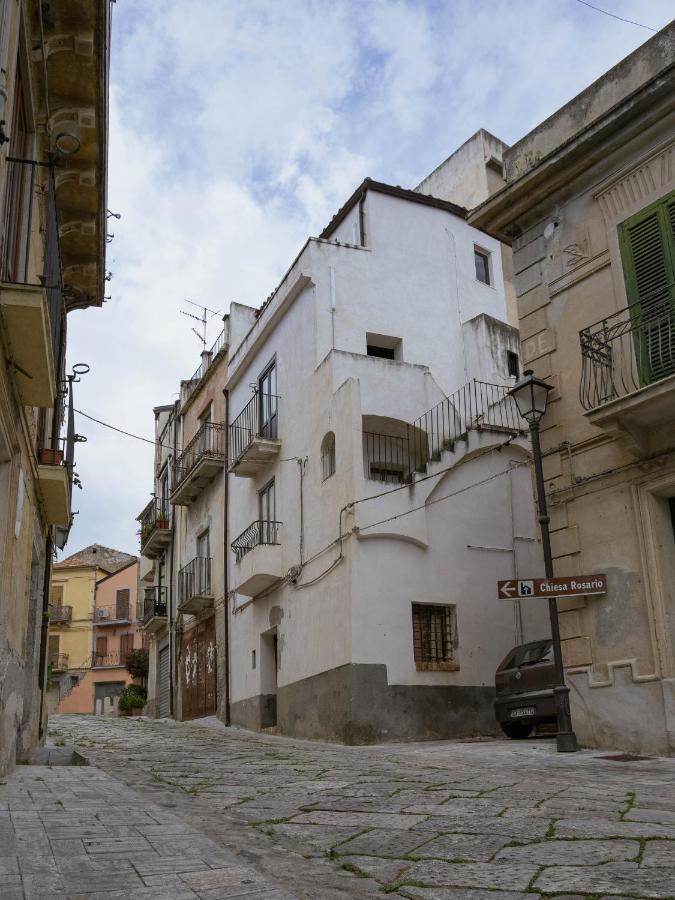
[[60, 614], [58, 662], [154, 604], [258, 419], [157, 517], [628, 350], [477, 405], [258, 533], [27, 181], [113, 659], [208, 442], [194, 580], [190, 386]]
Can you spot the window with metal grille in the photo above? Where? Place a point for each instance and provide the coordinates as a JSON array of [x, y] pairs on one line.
[[512, 363], [434, 636], [328, 456]]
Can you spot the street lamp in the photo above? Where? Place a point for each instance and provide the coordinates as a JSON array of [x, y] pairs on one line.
[[531, 395]]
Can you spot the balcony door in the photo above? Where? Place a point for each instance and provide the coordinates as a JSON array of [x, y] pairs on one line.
[[203, 573], [267, 391], [267, 504], [101, 650], [648, 254]]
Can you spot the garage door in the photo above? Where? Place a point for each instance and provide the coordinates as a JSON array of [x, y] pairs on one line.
[[164, 684], [198, 670]]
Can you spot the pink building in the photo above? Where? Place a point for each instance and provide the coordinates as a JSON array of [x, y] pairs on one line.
[[116, 632]]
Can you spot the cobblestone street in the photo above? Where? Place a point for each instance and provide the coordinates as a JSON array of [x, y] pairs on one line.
[[186, 810]]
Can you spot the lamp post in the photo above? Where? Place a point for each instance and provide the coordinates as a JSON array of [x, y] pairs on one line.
[[531, 395]]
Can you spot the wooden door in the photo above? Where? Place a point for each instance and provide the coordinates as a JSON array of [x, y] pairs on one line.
[[198, 671]]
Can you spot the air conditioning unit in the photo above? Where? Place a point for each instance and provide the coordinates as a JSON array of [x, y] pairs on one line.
[[103, 613]]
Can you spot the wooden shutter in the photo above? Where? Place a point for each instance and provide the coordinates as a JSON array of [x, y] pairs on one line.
[[101, 650], [57, 595], [647, 243], [53, 649], [122, 604], [126, 646]]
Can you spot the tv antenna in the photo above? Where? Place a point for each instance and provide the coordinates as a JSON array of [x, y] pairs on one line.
[[203, 319]]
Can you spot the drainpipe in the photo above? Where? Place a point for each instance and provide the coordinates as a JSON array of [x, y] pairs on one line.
[[42, 671], [226, 395], [362, 219]]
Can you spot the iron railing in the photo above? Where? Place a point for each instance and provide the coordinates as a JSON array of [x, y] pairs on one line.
[[258, 419], [477, 405], [112, 659], [257, 534], [208, 441], [119, 612], [58, 662], [59, 614], [192, 383], [194, 579], [157, 515], [628, 350], [154, 603], [23, 187]]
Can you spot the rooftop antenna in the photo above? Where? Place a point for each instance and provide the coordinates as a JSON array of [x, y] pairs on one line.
[[201, 319]]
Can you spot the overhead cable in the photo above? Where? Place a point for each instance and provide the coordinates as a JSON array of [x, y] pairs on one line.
[[614, 16]]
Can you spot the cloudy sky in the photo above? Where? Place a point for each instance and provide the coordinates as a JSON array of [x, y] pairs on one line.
[[238, 127]]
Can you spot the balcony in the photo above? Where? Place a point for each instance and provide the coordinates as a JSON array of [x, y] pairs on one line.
[[258, 558], [155, 528], [154, 609], [628, 369], [59, 662], [33, 314], [60, 615], [195, 593], [198, 464], [55, 487], [119, 614], [253, 436], [111, 660]]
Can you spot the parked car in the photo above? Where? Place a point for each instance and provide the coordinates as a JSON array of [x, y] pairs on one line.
[[524, 688]]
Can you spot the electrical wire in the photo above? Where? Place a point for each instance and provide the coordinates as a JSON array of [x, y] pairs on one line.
[[614, 16]]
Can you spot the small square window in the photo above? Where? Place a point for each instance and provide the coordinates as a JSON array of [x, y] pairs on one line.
[[434, 637], [482, 262], [512, 363], [383, 345]]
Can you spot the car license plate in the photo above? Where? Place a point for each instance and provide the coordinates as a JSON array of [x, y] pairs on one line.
[[523, 711]]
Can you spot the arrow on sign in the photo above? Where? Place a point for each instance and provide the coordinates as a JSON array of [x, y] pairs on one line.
[[507, 589]]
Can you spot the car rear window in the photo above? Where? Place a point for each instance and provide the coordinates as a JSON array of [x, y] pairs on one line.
[[528, 655]]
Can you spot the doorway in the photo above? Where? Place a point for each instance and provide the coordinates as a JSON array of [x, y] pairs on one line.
[[269, 667]]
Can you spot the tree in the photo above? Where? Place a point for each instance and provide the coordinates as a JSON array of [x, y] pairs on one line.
[[137, 664]]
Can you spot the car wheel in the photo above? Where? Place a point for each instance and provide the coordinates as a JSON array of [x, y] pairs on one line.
[[517, 730]]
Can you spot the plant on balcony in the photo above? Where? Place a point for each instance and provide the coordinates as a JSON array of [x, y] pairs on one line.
[[51, 457], [162, 521], [133, 697], [146, 531], [137, 664]]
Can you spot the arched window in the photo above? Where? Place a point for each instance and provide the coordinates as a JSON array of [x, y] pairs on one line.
[[328, 456]]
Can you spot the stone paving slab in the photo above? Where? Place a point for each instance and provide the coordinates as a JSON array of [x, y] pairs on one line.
[[485, 820]]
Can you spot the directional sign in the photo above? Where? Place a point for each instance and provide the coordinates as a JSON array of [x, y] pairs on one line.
[[572, 586]]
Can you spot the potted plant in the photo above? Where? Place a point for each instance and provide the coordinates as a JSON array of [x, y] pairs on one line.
[[162, 520], [132, 700], [51, 457]]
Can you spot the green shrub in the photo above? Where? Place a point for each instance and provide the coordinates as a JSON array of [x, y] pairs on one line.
[[137, 663], [132, 697]]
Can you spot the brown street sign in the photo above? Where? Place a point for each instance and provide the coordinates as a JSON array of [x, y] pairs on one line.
[[572, 586]]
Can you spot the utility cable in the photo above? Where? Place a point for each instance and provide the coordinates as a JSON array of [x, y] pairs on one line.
[[614, 16]]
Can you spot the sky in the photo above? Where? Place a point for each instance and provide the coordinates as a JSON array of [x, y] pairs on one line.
[[239, 127]]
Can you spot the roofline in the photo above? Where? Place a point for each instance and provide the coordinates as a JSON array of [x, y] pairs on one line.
[[117, 572], [392, 191]]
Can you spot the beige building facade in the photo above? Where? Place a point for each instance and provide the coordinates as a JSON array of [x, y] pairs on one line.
[[589, 211], [53, 146]]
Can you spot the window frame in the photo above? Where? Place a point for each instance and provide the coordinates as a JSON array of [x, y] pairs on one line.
[[479, 251], [328, 460], [449, 662]]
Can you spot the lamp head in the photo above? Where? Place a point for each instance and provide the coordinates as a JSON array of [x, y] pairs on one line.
[[531, 395]]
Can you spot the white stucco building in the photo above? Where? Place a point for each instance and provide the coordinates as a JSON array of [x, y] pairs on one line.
[[379, 485]]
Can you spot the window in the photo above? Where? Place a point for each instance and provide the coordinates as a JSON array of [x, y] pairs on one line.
[[122, 604], [101, 654], [328, 456], [126, 646], [390, 474], [53, 648], [481, 260], [647, 242], [434, 637], [512, 363], [56, 598], [384, 346], [267, 387], [204, 545]]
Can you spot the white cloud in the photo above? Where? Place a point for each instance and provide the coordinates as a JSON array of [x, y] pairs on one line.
[[239, 128]]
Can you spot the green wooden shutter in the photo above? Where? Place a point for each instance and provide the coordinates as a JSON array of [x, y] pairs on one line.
[[647, 243]]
